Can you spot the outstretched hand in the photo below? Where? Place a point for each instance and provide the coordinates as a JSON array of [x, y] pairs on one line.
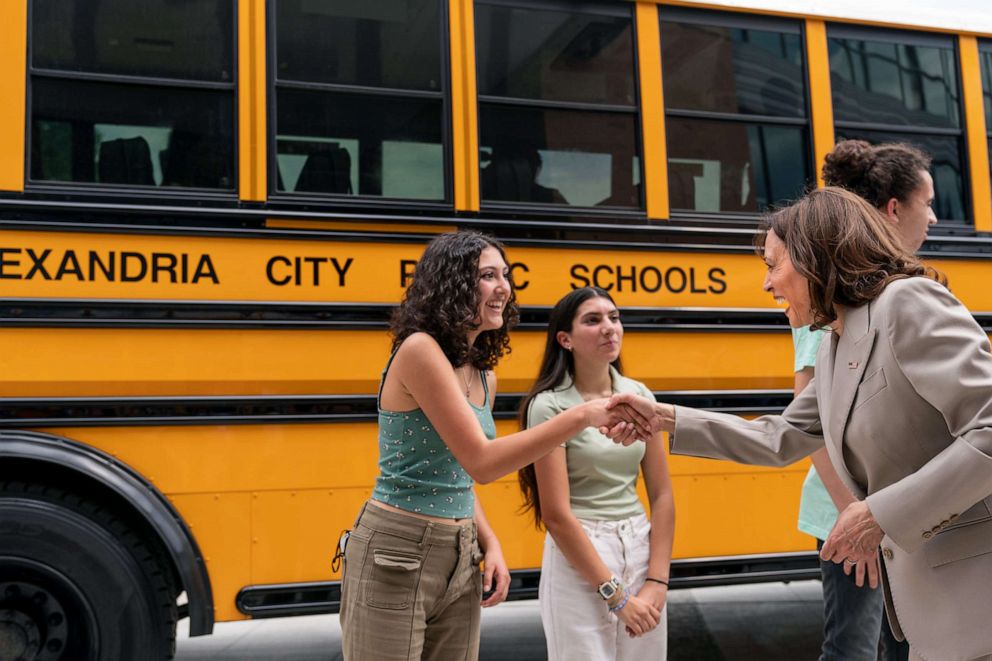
[[616, 422], [644, 418]]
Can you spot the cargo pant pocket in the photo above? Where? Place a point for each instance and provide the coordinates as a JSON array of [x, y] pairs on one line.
[[394, 579]]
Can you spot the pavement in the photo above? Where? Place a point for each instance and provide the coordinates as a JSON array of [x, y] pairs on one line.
[[769, 621]]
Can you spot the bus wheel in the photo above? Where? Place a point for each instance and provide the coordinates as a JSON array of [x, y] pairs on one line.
[[76, 583]]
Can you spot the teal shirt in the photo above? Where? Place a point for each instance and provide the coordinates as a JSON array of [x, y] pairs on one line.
[[817, 513], [417, 471]]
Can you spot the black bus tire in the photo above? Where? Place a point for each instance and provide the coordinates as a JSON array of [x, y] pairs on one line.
[[77, 583]]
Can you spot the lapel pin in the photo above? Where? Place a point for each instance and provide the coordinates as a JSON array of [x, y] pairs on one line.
[[853, 365]]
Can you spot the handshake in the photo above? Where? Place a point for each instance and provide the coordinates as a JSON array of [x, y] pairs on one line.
[[627, 418]]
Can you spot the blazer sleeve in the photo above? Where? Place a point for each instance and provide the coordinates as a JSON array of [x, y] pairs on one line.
[[945, 356], [771, 440]]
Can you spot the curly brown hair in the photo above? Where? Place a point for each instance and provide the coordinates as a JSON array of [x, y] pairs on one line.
[[877, 173], [845, 249], [443, 301]]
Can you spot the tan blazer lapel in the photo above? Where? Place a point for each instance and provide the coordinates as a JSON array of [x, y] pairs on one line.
[[851, 358], [825, 361]]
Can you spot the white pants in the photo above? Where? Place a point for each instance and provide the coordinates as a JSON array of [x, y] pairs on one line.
[[577, 623]]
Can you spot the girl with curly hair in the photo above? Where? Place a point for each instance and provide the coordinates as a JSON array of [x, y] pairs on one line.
[[412, 587], [604, 573]]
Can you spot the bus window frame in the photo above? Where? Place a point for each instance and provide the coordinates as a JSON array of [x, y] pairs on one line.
[[931, 40], [292, 199], [985, 46], [610, 214], [738, 20], [167, 194]]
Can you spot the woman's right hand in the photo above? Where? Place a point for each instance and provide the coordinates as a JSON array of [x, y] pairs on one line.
[[614, 421], [639, 616], [647, 416]]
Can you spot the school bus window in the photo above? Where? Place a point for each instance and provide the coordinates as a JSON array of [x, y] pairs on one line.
[[152, 38], [135, 94], [985, 54], [900, 86], [360, 99], [557, 104], [735, 116]]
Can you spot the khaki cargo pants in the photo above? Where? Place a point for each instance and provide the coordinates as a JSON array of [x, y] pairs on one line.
[[411, 589]]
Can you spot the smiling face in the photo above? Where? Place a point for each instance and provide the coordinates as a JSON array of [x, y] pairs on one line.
[[785, 283], [596, 333], [494, 289], [914, 215]]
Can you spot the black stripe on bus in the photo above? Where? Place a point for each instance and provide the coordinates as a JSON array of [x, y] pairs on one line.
[[26, 312], [532, 227], [36, 412], [75, 313], [261, 601]]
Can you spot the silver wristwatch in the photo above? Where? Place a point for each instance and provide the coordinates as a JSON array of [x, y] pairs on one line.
[[609, 588]]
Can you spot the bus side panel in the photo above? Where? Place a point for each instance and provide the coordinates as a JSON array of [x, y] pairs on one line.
[[127, 362], [221, 526]]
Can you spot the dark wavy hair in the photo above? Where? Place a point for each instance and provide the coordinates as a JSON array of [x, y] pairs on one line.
[[877, 173], [847, 251], [443, 301], [557, 364]]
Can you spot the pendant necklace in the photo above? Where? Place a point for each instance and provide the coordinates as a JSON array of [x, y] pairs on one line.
[[468, 381]]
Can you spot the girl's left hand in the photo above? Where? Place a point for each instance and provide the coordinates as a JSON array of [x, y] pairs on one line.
[[655, 594], [496, 576]]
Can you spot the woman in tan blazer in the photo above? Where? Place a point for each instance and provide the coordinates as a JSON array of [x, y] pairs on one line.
[[902, 400]]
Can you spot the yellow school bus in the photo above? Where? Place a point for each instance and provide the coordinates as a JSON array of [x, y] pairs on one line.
[[208, 210]]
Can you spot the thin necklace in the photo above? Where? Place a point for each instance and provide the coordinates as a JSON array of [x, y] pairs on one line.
[[468, 381]]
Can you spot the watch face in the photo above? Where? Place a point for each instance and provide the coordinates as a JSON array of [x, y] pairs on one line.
[[607, 590]]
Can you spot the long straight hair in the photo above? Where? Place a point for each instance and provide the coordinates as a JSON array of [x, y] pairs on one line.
[[557, 365]]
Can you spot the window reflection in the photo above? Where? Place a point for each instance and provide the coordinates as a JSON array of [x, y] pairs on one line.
[[985, 54], [130, 134], [559, 157], [387, 43], [360, 99], [746, 71], [543, 74], [734, 166], [347, 144], [555, 55], [894, 83], [986, 58], [163, 38], [735, 96]]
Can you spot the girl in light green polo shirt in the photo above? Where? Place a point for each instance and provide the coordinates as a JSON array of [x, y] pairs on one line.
[[604, 574]]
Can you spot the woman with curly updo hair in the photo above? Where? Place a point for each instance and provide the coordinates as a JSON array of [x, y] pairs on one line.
[[412, 587], [894, 177]]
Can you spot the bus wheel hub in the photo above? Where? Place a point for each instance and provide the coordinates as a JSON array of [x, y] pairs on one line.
[[19, 636], [32, 624]]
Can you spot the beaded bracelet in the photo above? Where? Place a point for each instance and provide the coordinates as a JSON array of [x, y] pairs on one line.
[[623, 602]]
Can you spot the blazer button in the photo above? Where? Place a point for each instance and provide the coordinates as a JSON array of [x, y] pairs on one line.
[[953, 517], [887, 552], [927, 534], [936, 528]]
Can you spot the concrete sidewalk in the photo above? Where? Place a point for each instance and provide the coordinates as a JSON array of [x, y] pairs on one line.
[[770, 622]]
